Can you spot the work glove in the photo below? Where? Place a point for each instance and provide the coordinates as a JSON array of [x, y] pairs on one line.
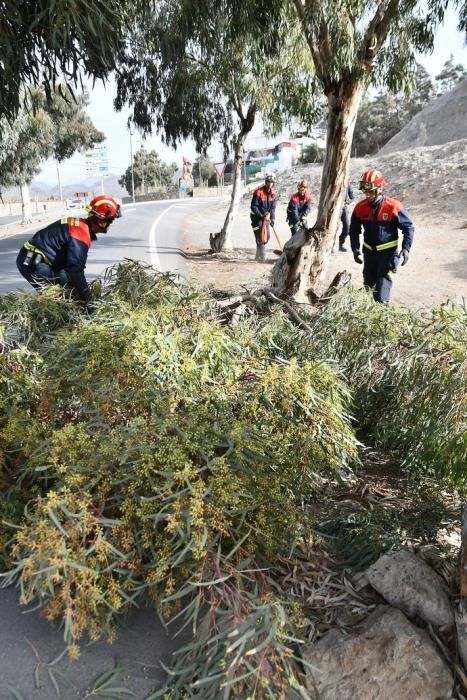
[[404, 256], [357, 257], [303, 222]]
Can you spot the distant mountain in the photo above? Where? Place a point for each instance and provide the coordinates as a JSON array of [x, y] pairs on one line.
[[92, 186]]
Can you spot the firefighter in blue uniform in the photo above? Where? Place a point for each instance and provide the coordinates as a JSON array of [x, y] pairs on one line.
[[381, 218], [58, 253], [299, 207], [345, 216], [263, 214]]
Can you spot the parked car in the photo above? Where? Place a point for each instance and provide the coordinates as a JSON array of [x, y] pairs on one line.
[[76, 204]]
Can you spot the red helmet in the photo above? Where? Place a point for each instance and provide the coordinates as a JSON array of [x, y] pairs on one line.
[[104, 208], [371, 180]]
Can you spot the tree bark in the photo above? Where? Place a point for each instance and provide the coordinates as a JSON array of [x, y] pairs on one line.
[[223, 240], [25, 203], [301, 269]]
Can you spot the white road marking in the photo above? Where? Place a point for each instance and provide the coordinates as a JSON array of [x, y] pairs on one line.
[[155, 262]]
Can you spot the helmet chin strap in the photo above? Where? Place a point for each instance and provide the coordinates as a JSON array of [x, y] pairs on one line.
[[96, 226]]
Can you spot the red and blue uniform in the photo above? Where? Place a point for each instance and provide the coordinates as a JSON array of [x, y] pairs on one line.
[[264, 201], [298, 207], [381, 222], [59, 254]]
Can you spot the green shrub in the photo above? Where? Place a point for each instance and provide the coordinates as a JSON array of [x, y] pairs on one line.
[[406, 370], [168, 458]]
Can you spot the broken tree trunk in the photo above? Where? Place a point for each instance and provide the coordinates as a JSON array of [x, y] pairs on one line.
[[301, 269]]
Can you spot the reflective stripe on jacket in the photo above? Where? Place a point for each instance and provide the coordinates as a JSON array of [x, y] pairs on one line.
[[65, 245], [381, 224]]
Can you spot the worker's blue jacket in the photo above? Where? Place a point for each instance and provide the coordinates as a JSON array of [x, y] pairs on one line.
[[64, 245], [299, 206], [263, 202], [380, 225]]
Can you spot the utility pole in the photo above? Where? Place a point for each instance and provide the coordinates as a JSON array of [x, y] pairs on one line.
[[132, 169], [143, 158], [59, 183]]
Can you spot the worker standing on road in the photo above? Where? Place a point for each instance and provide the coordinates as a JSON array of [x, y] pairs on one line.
[[263, 214], [345, 216], [381, 217], [58, 253], [299, 207]]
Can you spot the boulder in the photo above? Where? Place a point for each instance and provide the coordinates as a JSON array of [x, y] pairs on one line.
[[410, 584], [389, 658]]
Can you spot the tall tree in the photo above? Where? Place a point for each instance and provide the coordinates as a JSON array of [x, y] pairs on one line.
[[42, 129], [43, 42], [449, 76], [352, 45], [206, 70], [149, 172]]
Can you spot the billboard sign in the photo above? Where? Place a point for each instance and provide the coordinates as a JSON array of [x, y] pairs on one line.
[[97, 162]]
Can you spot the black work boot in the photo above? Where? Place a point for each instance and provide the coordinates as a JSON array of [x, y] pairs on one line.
[[261, 253], [342, 247]]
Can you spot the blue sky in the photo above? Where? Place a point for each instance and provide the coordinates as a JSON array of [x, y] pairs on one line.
[[448, 41]]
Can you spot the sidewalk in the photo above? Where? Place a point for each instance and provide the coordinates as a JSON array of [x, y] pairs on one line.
[[28, 643], [36, 220]]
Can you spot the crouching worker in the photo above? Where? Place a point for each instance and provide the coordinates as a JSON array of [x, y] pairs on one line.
[[299, 207], [263, 214], [381, 218], [57, 254]]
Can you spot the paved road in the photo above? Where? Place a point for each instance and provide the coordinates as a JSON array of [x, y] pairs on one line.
[[150, 232]]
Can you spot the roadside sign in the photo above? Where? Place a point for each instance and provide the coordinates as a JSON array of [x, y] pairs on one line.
[[219, 168], [97, 162]]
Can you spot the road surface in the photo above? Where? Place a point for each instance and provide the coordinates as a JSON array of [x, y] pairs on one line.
[[147, 231], [151, 232]]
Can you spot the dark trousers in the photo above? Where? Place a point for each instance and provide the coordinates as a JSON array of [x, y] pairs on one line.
[[345, 219], [378, 268], [40, 273], [260, 246]]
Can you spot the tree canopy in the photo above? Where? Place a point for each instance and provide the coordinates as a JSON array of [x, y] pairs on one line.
[[43, 42], [54, 128], [149, 172], [206, 71]]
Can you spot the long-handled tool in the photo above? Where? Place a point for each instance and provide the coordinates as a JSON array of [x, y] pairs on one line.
[[279, 242]]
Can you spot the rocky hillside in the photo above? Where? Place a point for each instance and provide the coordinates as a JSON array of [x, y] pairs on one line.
[[441, 121], [431, 181]]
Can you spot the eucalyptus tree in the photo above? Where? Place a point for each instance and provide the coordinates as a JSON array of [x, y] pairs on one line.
[[352, 44], [44, 41], [450, 76], [207, 70], [149, 172], [43, 128]]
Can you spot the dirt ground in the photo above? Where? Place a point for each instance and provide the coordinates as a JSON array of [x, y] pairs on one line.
[[435, 272]]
